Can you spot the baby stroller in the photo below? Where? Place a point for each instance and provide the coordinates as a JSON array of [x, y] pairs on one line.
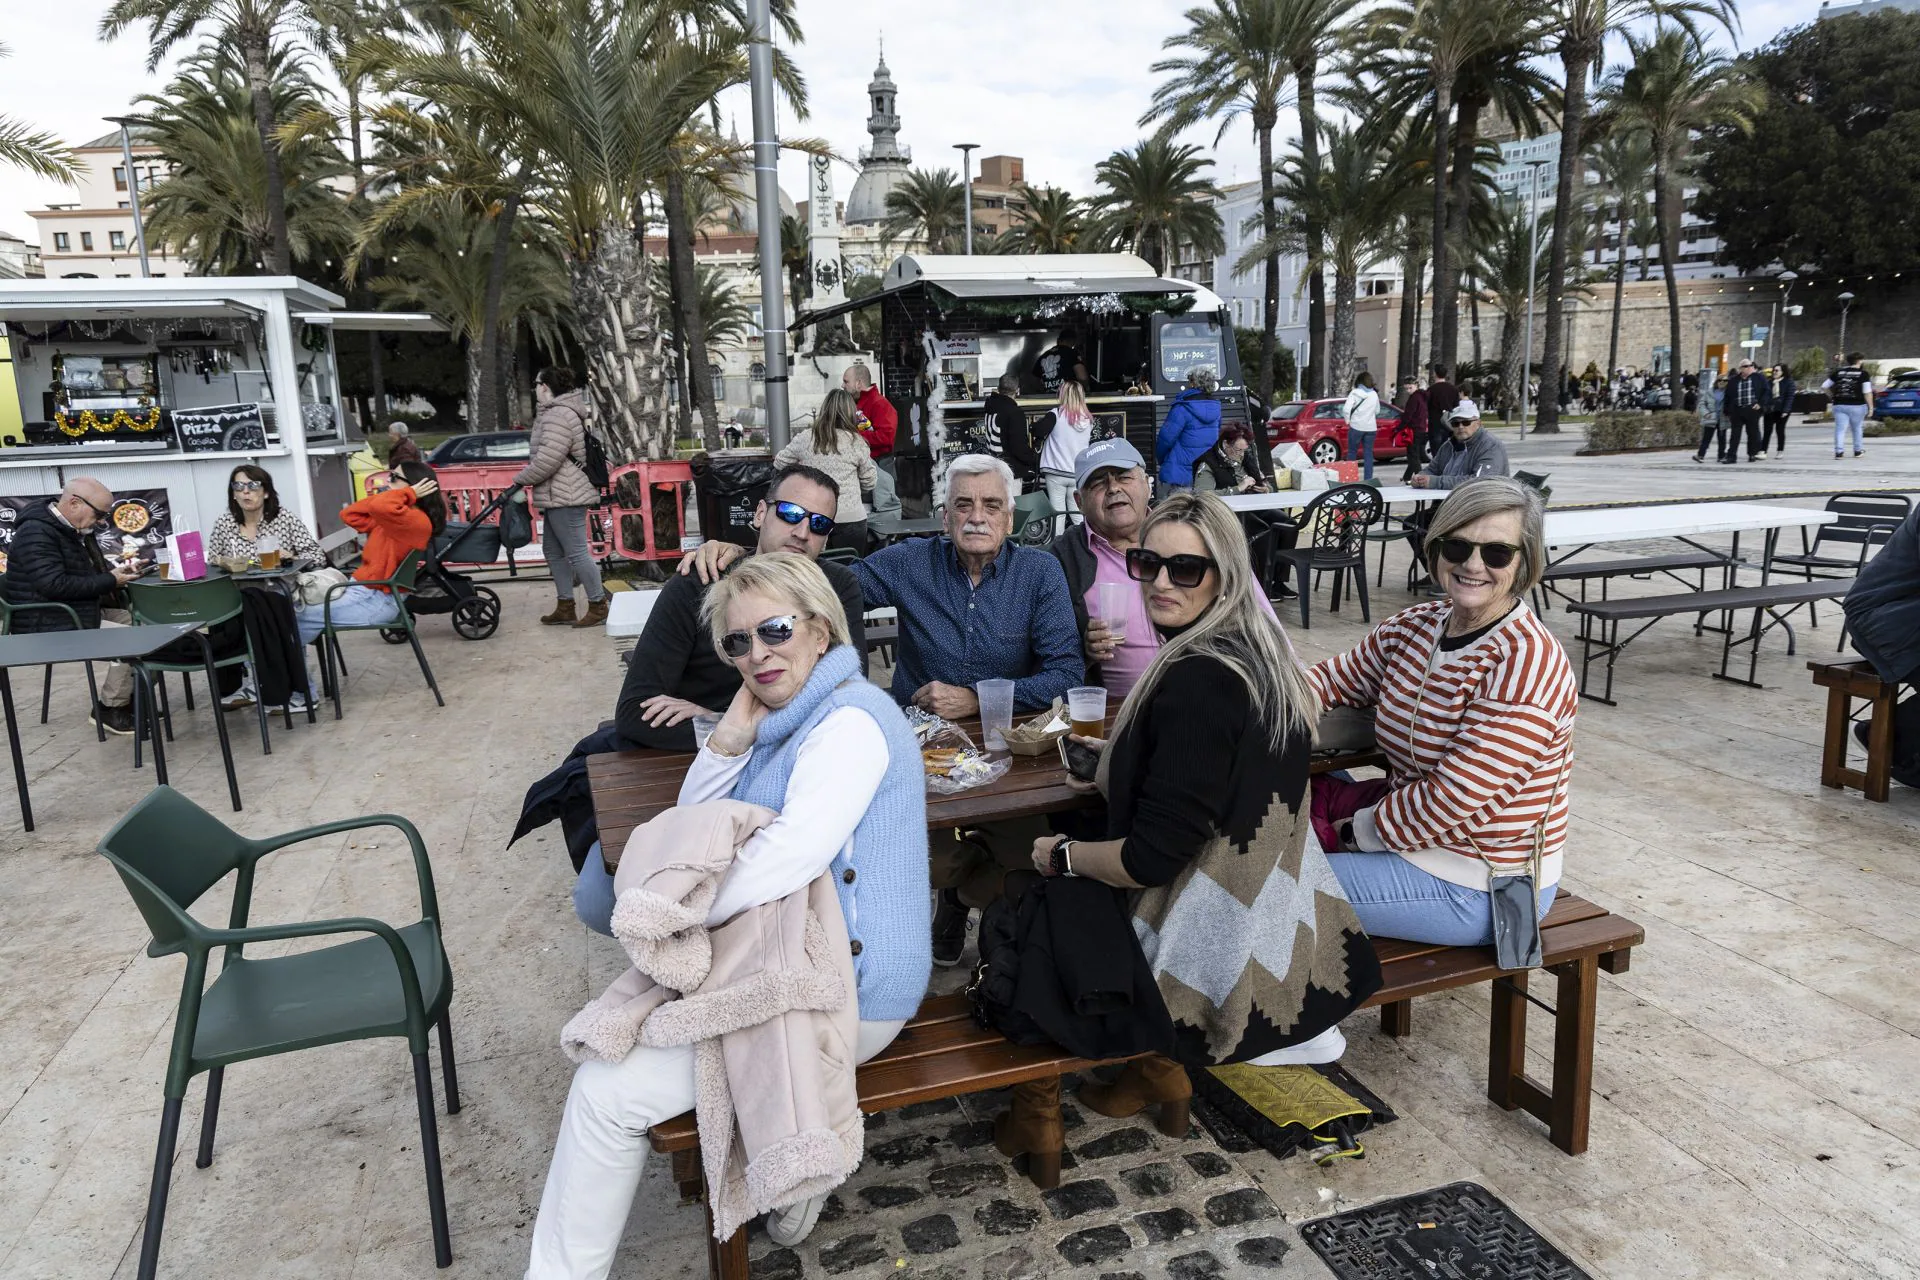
[[438, 589]]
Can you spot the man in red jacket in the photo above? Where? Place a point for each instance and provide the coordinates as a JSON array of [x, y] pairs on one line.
[[879, 424]]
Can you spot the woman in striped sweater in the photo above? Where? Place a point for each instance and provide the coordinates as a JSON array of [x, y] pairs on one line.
[[1474, 702]]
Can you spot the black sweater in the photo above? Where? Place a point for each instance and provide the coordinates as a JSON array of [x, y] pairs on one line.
[[675, 656]]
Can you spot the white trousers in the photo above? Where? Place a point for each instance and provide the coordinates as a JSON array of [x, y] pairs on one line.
[[602, 1151], [1062, 497]]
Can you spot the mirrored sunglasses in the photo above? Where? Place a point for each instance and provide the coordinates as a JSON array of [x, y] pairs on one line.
[[793, 513], [247, 486], [773, 633]]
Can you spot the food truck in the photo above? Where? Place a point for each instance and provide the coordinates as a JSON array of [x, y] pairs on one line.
[[159, 387], [952, 326]]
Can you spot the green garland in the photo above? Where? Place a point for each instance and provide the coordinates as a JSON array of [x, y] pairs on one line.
[[1140, 305]]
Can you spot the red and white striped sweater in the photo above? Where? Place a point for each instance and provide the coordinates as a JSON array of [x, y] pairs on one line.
[[1481, 762]]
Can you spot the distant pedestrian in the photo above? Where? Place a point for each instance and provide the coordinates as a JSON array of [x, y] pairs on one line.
[[1748, 396], [1362, 412], [1416, 413], [401, 446], [1852, 388], [1442, 395], [1774, 431]]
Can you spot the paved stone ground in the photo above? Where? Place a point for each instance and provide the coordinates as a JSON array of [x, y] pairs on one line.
[[1754, 1112]]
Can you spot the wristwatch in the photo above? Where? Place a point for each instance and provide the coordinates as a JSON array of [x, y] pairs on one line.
[[1345, 832], [1060, 861]]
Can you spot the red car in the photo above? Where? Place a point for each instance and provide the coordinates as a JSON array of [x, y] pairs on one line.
[[1320, 427]]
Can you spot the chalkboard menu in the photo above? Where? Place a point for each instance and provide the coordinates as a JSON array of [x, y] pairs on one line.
[[222, 428]]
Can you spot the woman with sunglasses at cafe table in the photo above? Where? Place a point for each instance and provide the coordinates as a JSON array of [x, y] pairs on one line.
[[1255, 955], [806, 736], [254, 513], [1474, 703]]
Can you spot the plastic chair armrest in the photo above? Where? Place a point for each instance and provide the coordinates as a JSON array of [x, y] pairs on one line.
[[423, 869], [50, 604], [402, 958]]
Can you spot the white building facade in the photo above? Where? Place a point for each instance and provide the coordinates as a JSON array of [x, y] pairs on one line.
[[93, 236]]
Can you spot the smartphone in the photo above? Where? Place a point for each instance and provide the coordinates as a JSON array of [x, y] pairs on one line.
[[1080, 760]]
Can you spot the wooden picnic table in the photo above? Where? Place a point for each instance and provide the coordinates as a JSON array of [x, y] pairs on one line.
[[632, 787]]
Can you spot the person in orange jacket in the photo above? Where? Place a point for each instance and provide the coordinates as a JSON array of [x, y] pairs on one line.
[[397, 521]]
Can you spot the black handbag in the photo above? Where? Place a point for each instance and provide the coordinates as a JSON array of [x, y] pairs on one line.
[[516, 523]]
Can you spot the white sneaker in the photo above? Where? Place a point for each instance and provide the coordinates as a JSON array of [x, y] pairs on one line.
[[791, 1225], [239, 700], [1328, 1046]]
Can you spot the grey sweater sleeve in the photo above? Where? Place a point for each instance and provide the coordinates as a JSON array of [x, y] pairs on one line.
[[1483, 456]]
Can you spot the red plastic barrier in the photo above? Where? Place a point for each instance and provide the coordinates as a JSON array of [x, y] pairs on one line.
[[629, 530]]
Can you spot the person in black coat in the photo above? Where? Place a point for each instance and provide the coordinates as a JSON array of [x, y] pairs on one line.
[[1009, 437], [1774, 434]]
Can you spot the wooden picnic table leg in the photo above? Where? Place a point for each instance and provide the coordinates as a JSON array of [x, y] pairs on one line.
[[1880, 743], [1507, 1040], [1833, 756], [1573, 1034]]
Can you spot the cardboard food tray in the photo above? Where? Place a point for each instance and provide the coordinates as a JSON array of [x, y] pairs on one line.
[[1030, 738]]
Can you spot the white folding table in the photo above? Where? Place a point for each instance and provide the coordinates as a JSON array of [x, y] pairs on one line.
[[1294, 499], [1682, 521]]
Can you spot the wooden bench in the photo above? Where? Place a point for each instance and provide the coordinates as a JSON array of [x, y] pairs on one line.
[[1672, 565], [943, 1053], [1845, 681], [1771, 604]]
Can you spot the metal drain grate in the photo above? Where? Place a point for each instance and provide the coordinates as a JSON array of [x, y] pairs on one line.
[[1457, 1232]]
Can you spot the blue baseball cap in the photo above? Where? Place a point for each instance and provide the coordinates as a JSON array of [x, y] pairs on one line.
[[1103, 455]]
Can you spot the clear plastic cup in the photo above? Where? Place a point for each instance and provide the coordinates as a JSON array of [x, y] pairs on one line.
[[703, 727], [996, 711], [1087, 708], [1113, 604]]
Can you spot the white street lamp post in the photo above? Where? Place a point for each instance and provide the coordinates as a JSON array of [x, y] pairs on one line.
[[766, 192], [133, 190], [1773, 332], [1846, 305], [966, 150]]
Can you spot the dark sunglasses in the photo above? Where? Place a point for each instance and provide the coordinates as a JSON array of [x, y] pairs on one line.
[[247, 486], [1494, 555], [1182, 571], [773, 633], [104, 515], [793, 513]]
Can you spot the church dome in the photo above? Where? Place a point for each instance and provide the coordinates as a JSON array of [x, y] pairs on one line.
[[884, 165], [867, 202]]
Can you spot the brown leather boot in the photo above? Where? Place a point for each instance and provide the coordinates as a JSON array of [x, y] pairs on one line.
[[1033, 1127], [596, 614], [562, 615], [1146, 1080]]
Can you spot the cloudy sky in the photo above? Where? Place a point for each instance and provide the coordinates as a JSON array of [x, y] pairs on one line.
[[1059, 82]]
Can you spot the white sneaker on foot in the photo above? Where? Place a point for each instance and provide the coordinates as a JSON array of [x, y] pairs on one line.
[[1325, 1047], [791, 1225]]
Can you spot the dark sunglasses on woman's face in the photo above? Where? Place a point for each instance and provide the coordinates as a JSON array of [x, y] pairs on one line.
[[773, 633], [1182, 571], [1494, 555], [793, 513], [247, 486]]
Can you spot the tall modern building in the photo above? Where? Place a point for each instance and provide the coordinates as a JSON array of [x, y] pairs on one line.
[[93, 236]]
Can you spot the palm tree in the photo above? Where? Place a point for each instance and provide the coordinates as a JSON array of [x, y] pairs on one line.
[[1504, 260], [586, 99], [253, 29], [1581, 28], [1156, 199], [1645, 232], [725, 318], [215, 201], [1673, 88], [1356, 199], [38, 153], [1049, 221], [1622, 159], [928, 204]]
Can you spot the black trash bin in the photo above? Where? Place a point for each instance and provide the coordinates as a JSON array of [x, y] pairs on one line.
[[727, 486]]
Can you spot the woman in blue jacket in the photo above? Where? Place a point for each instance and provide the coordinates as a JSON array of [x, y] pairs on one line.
[[1191, 428]]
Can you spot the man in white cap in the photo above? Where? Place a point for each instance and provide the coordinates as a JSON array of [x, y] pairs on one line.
[[1468, 452]]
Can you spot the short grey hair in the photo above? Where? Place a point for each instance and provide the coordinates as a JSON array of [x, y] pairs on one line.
[[1489, 496], [980, 464], [1201, 376], [396, 428]]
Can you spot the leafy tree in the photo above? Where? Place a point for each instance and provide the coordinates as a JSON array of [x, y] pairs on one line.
[[928, 204], [1825, 181], [42, 154], [1623, 159], [1671, 89], [1286, 374], [1504, 260], [1578, 31], [1156, 199], [1051, 221], [216, 202]]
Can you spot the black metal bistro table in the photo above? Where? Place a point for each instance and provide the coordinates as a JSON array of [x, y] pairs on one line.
[[106, 644]]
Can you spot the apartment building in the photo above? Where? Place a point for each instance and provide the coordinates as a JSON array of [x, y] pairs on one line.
[[18, 259], [93, 235]]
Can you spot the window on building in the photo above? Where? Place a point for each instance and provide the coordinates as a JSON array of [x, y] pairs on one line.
[[119, 177], [86, 242], [116, 240], [125, 205], [62, 242]]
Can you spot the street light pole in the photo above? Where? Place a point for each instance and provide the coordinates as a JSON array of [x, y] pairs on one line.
[[766, 194], [1533, 259], [1706, 308], [1773, 334], [1846, 305], [966, 150], [133, 191]]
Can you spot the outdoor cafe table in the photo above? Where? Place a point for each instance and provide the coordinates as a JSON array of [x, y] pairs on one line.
[[632, 787], [105, 644], [1293, 499]]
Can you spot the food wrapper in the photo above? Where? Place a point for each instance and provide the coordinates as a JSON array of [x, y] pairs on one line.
[[1036, 736], [951, 760]]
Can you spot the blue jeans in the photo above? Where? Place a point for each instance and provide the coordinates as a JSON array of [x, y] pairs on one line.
[[1360, 445], [356, 606], [1848, 417], [593, 893], [1395, 899]]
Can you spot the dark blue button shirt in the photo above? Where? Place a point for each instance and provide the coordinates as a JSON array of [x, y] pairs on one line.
[[1017, 625]]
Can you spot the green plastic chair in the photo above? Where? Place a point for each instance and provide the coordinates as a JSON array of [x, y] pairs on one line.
[[1033, 520], [401, 584], [7, 612], [394, 982], [204, 604]]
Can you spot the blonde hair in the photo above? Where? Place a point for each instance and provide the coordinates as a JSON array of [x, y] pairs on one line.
[[778, 575], [1073, 401], [1233, 630], [1491, 496], [833, 425]]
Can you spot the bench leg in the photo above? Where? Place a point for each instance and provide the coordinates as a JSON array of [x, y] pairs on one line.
[[1507, 1041], [1396, 1019], [1573, 1034], [1880, 744], [726, 1259], [1833, 756]]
